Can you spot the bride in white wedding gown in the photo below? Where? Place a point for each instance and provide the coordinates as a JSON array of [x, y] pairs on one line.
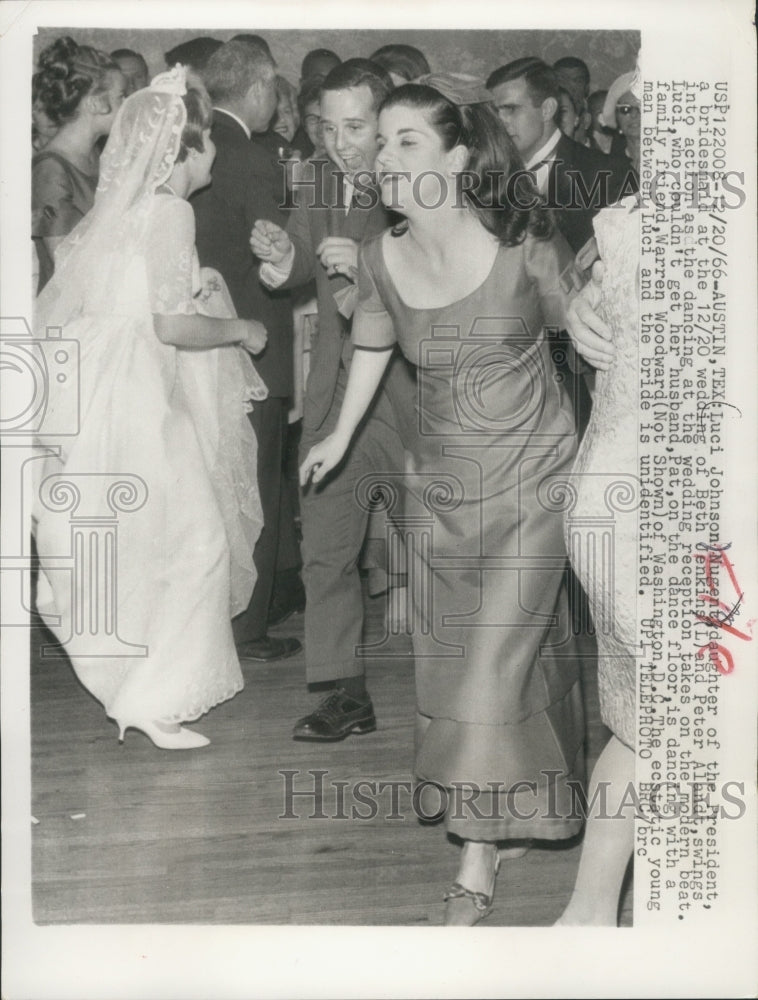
[[164, 387]]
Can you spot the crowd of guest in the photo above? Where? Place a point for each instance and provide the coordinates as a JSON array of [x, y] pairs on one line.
[[233, 198]]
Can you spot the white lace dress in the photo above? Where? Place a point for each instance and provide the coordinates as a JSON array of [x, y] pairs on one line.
[[602, 529], [176, 419]]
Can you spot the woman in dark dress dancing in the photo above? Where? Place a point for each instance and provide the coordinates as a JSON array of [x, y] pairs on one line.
[[467, 287]]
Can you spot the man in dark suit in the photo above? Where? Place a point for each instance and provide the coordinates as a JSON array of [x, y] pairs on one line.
[[321, 241], [576, 182], [246, 186]]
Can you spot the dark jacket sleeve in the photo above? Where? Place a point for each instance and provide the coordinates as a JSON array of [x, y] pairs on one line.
[[246, 185], [299, 231]]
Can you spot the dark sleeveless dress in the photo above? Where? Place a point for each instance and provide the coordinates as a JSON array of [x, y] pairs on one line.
[[498, 693], [61, 197]]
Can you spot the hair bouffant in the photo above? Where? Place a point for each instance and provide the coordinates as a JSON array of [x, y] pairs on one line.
[[199, 120], [67, 74], [309, 92], [501, 192], [194, 53], [404, 60]]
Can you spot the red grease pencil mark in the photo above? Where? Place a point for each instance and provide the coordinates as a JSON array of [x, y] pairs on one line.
[[723, 615]]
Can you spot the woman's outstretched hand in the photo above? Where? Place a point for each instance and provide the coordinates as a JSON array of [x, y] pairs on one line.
[[254, 336], [322, 458]]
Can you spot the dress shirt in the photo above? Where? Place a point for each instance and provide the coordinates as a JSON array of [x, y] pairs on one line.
[[274, 275], [541, 161]]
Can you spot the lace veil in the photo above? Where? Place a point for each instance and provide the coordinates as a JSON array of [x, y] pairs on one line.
[[89, 277], [139, 156]]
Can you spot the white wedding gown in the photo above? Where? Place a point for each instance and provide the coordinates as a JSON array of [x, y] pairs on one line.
[[177, 420]]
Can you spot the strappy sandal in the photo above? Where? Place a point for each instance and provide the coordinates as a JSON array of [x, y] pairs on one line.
[[464, 907]]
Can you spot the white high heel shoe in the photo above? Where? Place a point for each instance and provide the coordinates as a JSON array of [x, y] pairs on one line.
[[183, 739]]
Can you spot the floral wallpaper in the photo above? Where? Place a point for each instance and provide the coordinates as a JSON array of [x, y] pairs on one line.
[[607, 53]]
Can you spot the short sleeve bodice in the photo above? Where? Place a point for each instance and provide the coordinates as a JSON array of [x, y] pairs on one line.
[[61, 194], [527, 289], [372, 324], [170, 256], [61, 197], [160, 275]]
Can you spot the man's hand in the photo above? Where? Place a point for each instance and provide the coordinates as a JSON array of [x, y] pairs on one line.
[[339, 255], [589, 334], [269, 242]]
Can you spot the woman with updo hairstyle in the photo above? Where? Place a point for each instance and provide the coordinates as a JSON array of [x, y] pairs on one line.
[[403, 62], [159, 429], [197, 128], [43, 127], [469, 286], [78, 91]]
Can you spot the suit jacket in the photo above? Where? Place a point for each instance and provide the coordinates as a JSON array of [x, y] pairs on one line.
[[320, 212], [247, 184], [301, 142], [574, 164]]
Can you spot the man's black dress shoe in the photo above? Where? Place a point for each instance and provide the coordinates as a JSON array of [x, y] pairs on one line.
[[268, 648], [336, 717], [284, 604]]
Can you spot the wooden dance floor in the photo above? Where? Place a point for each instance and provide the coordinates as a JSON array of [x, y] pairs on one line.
[[133, 834]]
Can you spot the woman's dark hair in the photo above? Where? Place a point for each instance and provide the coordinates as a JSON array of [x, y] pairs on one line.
[[309, 92], [563, 92], [558, 116], [404, 60], [199, 118], [194, 53], [596, 100], [67, 74], [497, 187], [286, 90]]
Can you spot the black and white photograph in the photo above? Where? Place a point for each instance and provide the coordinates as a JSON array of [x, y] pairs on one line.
[[379, 539]]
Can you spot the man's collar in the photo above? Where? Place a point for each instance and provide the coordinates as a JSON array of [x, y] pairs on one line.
[[544, 151], [231, 114]]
